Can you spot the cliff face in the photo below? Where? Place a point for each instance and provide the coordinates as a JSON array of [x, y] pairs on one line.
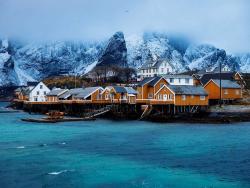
[[21, 62], [115, 53]]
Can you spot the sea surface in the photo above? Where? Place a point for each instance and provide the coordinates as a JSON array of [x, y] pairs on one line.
[[109, 154]]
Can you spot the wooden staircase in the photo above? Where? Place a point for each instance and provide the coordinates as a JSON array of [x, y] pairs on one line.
[[98, 112], [146, 111]]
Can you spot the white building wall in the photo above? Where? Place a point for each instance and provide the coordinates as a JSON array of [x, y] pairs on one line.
[[165, 68], [38, 94], [180, 81]]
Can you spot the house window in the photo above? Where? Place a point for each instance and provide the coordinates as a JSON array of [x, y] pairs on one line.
[[160, 96], [237, 92], [187, 80], [183, 97], [225, 91], [37, 93], [202, 98], [179, 80], [167, 70], [171, 80], [41, 86], [44, 92], [106, 96], [162, 70], [171, 96], [150, 95]]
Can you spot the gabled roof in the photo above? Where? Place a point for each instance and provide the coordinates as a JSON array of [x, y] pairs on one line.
[[151, 81], [226, 84], [32, 83], [87, 92], [130, 90], [224, 76], [57, 92], [187, 90], [71, 92], [27, 90], [145, 81], [120, 89], [150, 63], [154, 81], [177, 76]]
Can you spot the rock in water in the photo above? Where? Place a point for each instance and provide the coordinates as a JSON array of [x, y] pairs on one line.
[[115, 52]]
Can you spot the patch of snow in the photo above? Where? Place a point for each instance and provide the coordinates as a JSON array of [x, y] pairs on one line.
[[90, 67], [4, 57], [5, 43]]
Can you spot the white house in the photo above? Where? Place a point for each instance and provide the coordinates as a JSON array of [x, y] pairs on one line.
[[179, 79], [158, 68], [38, 93]]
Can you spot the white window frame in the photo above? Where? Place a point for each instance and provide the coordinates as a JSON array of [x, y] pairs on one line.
[[150, 95], [202, 97], [183, 97]]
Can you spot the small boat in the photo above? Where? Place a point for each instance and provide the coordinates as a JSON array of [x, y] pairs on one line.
[[49, 120], [38, 120]]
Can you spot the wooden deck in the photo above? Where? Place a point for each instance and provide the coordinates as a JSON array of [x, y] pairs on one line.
[[108, 102]]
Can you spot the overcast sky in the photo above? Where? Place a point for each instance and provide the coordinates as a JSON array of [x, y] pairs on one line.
[[224, 23]]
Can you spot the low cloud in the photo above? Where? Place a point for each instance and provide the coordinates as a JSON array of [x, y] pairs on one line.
[[224, 23]]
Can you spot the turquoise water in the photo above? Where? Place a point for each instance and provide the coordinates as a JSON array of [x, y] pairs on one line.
[[107, 153]]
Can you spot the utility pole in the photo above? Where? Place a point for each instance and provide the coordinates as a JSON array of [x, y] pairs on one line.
[[220, 83], [75, 78]]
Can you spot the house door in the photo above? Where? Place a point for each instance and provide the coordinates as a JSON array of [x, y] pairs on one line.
[[165, 97]]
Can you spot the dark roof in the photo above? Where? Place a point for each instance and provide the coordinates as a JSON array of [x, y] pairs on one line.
[[224, 76], [228, 84], [150, 80], [26, 90], [187, 90], [154, 81], [177, 76], [130, 90], [144, 81], [56, 92], [120, 89], [86, 92], [32, 83], [71, 92], [155, 64]]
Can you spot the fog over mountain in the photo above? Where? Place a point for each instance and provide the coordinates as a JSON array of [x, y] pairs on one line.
[[41, 38], [22, 62]]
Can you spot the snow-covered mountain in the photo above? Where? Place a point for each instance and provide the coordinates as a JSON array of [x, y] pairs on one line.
[[153, 45], [21, 62]]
